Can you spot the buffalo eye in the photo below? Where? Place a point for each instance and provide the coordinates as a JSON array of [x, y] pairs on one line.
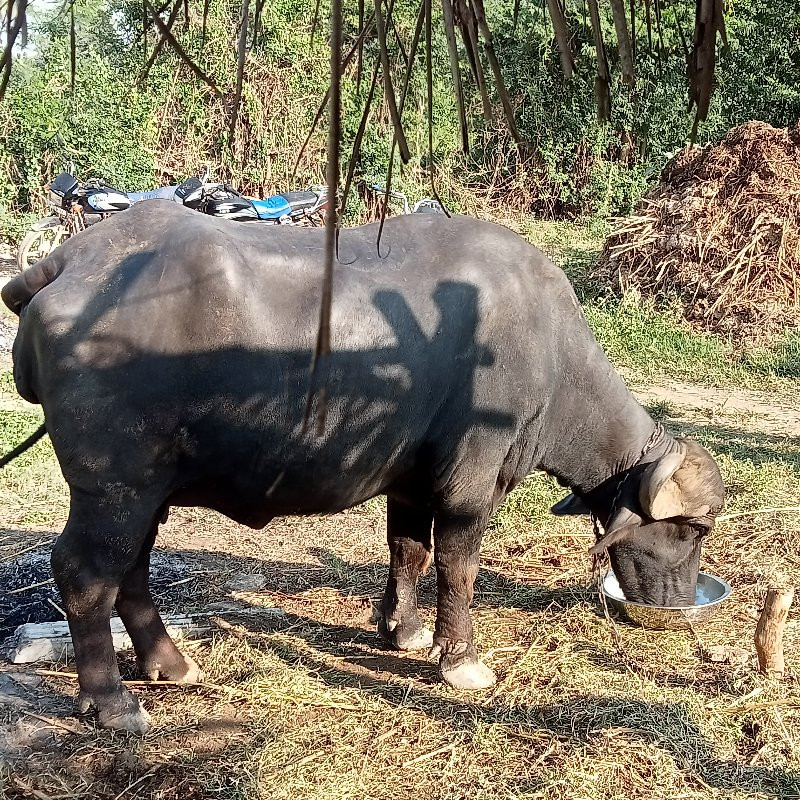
[[700, 529]]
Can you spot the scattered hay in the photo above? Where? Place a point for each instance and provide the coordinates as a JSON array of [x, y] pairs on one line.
[[29, 593], [721, 232], [308, 705]]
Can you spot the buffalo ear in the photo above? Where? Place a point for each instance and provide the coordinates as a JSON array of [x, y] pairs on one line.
[[659, 493], [621, 526], [570, 506]]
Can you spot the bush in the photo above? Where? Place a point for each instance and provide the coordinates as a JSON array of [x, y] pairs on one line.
[[138, 136]]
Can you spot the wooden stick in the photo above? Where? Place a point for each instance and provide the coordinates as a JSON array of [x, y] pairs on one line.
[[153, 684], [758, 706], [23, 551], [54, 722], [448, 748], [769, 631], [32, 586]]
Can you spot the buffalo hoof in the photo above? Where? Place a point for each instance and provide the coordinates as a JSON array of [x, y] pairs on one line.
[[419, 639], [136, 721], [187, 671], [404, 636], [468, 675], [121, 712], [460, 667], [193, 672]]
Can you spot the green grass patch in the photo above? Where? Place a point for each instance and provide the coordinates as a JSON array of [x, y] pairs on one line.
[[783, 359], [652, 342], [16, 426], [7, 386], [32, 489]]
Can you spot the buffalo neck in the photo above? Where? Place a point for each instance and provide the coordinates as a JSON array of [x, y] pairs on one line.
[[595, 428]]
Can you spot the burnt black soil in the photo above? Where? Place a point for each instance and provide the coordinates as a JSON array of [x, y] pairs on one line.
[[173, 580]]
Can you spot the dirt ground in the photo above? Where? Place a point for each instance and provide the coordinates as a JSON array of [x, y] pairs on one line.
[[535, 616]]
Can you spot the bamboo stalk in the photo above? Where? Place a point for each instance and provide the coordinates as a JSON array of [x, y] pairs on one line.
[[562, 37], [623, 41]]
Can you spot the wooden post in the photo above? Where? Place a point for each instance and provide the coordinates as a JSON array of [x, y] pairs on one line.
[[769, 631]]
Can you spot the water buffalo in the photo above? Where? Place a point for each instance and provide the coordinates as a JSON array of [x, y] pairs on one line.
[[170, 353]]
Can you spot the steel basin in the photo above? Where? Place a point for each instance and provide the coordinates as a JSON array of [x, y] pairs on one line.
[[711, 593]]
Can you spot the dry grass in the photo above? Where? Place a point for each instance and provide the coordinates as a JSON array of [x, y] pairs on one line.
[[316, 710], [721, 231]]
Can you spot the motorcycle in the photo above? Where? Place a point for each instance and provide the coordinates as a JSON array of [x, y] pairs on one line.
[[286, 208], [74, 207], [426, 205]]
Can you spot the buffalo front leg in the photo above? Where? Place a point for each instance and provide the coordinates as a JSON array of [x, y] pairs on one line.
[[457, 540], [156, 653], [98, 544], [409, 534]]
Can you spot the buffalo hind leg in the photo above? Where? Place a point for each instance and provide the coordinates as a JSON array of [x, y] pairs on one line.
[[100, 542], [156, 653], [409, 535], [457, 539]]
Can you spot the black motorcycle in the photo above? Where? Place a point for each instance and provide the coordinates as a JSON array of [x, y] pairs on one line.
[[73, 208], [286, 208]]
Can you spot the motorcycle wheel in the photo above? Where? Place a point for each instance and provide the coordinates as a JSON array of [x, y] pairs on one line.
[[40, 241]]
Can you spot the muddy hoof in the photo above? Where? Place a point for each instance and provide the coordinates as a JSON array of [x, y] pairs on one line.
[[136, 720], [185, 671], [193, 672], [421, 639], [468, 675], [459, 665]]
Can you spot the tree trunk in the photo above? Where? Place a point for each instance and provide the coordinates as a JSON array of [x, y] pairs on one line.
[[602, 84], [769, 631], [562, 37], [452, 47], [623, 41], [508, 110], [702, 61]]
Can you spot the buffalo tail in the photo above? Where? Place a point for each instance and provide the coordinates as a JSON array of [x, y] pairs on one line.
[[21, 448]]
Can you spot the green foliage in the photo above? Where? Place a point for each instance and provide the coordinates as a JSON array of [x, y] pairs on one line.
[[140, 133], [584, 166], [104, 126], [760, 75]]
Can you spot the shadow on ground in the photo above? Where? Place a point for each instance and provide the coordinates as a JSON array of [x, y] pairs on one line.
[[575, 723], [757, 447]]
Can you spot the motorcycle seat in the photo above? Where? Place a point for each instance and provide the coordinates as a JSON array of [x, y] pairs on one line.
[[163, 193], [428, 206], [300, 201], [273, 207]]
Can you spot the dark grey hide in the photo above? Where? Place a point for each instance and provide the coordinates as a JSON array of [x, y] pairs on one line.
[[170, 352]]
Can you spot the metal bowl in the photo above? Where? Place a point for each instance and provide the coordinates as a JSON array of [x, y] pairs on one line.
[[711, 593]]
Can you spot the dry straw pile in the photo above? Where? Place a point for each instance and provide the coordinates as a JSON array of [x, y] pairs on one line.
[[720, 232]]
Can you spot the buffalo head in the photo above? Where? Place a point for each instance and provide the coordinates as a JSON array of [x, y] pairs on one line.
[[655, 517]]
